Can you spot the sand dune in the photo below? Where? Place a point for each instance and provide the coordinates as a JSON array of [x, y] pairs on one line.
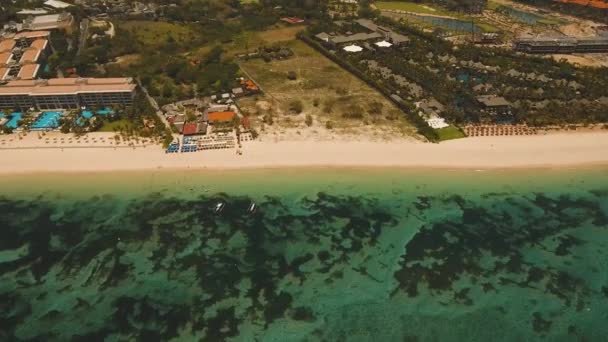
[[554, 150]]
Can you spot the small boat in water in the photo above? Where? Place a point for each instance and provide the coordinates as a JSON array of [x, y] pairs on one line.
[[252, 208], [219, 207]]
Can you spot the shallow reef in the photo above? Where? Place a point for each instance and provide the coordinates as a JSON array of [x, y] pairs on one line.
[[306, 267]]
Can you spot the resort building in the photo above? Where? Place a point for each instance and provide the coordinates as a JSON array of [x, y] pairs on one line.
[[220, 117], [293, 20], [194, 128], [390, 35], [342, 39], [429, 110], [494, 105], [25, 39], [56, 4], [376, 33], [561, 45], [6, 58], [23, 54], [7, 45], [29, 56], [4, 73], [27, 12], [48, 22], [28, 72], [66, 93]]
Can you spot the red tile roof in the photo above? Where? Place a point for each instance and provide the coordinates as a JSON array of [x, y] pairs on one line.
[[245, 122], [221, 116], [7, 45], [249, 85], [4, 73], [32, 34], [189, 128], [292, 20], [28, 71], [5, 57], [30, 56], [39, 44]]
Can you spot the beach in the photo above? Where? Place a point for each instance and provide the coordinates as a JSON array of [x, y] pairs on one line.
[[551, 150]]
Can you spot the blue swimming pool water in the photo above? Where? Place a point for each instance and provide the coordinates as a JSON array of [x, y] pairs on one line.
[[87, 114], [105, 111], [14, 121], [47, 120]]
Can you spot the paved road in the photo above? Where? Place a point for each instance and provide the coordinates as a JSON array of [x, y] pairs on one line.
[[84, 33], [154, 104]]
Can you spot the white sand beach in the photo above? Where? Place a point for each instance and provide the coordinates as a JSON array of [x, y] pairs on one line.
[[553, 150]]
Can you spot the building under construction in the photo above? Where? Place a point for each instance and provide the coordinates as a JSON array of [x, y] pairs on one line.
[[561, 45]]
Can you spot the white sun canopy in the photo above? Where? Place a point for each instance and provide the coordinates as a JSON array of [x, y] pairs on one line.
[[353, 48], [384, 44]]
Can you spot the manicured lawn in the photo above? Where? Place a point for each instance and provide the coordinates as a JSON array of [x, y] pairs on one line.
[[281, 34], [109, 126], [491, 5], [450, 133], [487, 27], [411, 7], [552, 21]]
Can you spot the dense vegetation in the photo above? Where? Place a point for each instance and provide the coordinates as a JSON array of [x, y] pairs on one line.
[[186, 53], [542, 91]]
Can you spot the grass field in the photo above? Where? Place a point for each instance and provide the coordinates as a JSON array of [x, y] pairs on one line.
[[325, 90], [152, 33], [249, 41], [412, 7], [110, 126], [489, 28], [280, 34], [492, 5], [450, 133]]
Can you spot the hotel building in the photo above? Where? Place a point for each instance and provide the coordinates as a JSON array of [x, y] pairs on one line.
[[66, 93], [22, 55]]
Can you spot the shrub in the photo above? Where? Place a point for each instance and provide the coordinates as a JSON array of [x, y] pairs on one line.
[[341, 91], [375, 108], [328, 107], [329, 125], [308, 120], [353, 112], [268, 119], [296, 106]]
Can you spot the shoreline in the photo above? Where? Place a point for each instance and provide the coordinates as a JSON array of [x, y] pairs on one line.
[[565, 150]]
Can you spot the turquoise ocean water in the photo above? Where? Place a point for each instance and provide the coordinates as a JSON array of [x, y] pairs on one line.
[[329, 255]]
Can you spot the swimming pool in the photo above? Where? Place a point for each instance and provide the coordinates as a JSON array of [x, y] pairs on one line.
[[14, 121], [105, 111], [87, 114], [46, 121]]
